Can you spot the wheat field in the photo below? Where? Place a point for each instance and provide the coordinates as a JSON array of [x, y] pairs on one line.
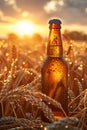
[[21, 100]]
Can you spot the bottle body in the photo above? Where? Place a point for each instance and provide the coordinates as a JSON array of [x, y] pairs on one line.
[[54, 82]]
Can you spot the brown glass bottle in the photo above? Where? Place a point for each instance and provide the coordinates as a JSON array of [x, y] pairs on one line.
[[54, 71]]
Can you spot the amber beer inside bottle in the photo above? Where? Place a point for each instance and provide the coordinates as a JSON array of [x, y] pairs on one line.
[[54, 70]]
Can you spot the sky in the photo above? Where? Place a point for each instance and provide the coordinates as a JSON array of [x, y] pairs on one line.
[[72, 13]]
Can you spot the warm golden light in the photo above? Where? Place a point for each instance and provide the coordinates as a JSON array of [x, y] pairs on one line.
[[25, 28]]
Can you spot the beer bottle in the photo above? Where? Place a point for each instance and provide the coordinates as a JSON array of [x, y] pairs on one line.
[[54, 71]]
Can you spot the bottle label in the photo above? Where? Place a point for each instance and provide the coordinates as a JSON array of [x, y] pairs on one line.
[[54, 38]]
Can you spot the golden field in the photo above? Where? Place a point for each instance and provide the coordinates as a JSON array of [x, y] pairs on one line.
[[21, 100]]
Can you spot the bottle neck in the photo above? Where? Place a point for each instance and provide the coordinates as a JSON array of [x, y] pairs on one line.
[[54, 48]]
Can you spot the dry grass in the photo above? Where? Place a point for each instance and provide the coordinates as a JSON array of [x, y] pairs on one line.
[[21, 102]]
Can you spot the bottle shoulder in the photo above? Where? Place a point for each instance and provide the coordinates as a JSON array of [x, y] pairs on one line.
[[58, 61], [55, 59]]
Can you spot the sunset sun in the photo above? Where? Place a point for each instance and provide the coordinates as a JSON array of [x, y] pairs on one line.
[[25, 28]]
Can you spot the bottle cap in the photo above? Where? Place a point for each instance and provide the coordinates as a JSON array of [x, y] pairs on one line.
[[56, 21]]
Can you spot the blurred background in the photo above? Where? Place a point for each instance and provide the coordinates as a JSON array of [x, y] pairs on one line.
[[26, 17], [24, 25]]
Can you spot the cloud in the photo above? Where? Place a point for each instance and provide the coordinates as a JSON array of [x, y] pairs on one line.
[[13, 4], [40, 11], [1, 14], [6, 19], [86, 10], [70, 11], [25, 14], [52, 5]]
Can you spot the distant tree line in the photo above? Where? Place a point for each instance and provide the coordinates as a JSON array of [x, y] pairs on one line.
[[69, 35], [75, 35]]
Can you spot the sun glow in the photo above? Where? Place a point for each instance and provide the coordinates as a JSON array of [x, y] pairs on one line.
[[25, 28]]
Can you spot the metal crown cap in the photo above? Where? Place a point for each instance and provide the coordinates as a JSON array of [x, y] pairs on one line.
[[56, 21]]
